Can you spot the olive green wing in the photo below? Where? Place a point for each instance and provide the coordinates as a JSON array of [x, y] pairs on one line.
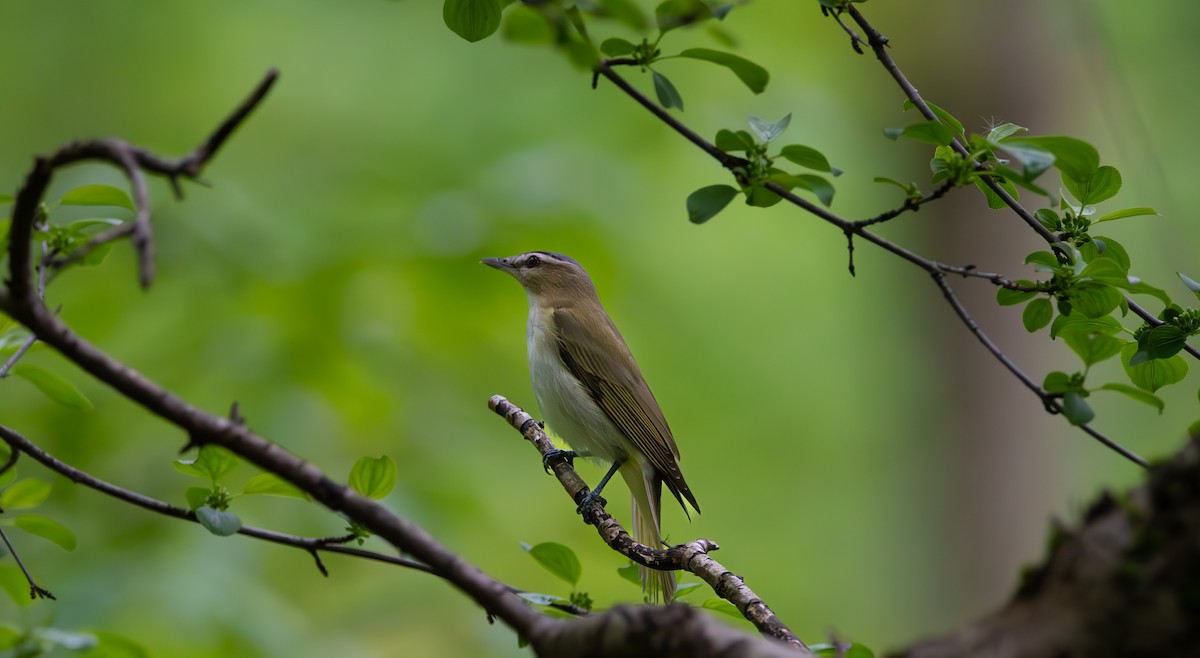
[[614, 381]]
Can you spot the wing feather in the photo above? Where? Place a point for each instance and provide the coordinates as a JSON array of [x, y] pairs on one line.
[[617, 386]]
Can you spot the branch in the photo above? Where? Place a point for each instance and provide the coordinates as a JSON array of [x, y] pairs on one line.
[[692, 557], [132, 161], [851, 228], [21, 444]]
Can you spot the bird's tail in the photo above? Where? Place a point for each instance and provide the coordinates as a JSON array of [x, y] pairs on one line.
[[659, 586]]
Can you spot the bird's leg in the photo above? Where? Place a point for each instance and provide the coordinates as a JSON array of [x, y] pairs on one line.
[[556, 455], [594, 495]]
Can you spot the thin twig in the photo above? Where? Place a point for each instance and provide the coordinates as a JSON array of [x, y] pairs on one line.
[[1047, 399], [878, 43], [35, 590], [909, 204]]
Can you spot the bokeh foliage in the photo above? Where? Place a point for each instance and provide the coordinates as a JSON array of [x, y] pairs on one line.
[[328, 282]]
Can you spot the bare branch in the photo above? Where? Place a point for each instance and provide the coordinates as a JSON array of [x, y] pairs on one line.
[[692, 557]]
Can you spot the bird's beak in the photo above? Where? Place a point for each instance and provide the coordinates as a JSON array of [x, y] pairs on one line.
[[498, 263]]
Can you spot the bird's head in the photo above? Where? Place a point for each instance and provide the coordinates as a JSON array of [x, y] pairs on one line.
[[545, 274]]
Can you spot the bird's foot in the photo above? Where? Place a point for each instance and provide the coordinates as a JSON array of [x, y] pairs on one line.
[[554, 456], [589, 498]]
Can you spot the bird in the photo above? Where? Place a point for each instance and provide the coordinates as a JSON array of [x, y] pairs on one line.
[[591, 393]]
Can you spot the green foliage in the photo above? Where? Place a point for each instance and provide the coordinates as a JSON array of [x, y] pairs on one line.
[[54, 387], [472, 20], [47, 528], [212, 462], [668, 95], [97, 195], [373, 477], [272, 485], [706, 202], [25, 494], [722, 606], [752, 75], [558, 560]]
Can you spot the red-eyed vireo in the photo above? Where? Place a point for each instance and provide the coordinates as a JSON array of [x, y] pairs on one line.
[[592, 394]]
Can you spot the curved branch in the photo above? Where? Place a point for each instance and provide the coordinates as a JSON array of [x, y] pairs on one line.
[[692, 557]]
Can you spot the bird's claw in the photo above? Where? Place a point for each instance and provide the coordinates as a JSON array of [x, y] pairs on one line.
[[587, 500], [554, 456]]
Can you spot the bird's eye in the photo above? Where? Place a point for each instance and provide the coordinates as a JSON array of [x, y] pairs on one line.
[[533, 261]]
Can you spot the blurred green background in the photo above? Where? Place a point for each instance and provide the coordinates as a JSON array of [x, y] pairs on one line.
[[861, 460]]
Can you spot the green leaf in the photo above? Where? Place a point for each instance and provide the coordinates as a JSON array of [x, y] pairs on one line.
[[373, 477], [668, 96], [993, 199], [97, 195], [1075, 409], [1127, 212], [1010, 297], [13, 582], [684, 589], [1137, 394], [811, 182], [766, 130], [1003, 131], [54, 387], [615, 47], [761, 197], [1048, 218], [1101, 185], [1034, 160], [7, 477], [722, 606], [1105, 270], [938, 112], [269, 484], [472, 20], [627, 12], [1075, 322], [1093, 347], [524, 24], [1104, 247], [1037, 314], [25, 494], [1153, 374], [931, 132], [706, 202], [1095, 299], [674, 14], [212, 462], [1073, 157], [196, 497], [1164, 341], [728, 141], [811, 158], [752, 75], [1043, 261], [97, 255], [558, 560], [834, 651], [219, 522], [1057, 382], [47, 528], [630, 572]]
